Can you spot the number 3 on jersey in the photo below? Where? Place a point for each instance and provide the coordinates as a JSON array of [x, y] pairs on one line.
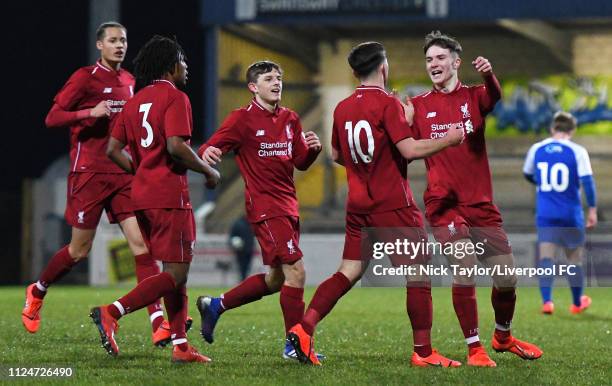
[[354, 141], [554, 178], [144, 108]]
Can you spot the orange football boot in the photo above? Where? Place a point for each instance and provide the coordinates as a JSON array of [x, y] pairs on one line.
[[522, 349], [433, 360], [189, 355], [107, 327], [162, 336], [30, 315], [585, 302], [478, 357], [303, 345], [548, 308]]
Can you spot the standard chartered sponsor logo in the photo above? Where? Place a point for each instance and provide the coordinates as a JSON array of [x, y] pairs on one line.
[[439, 130], [275, 149], [115, 106]]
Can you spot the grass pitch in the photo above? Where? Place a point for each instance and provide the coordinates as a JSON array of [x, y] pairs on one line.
[[367, 339]]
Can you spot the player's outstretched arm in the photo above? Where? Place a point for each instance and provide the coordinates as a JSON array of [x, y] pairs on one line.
[[411, 148], [182, 153], [114, 151], [227, 138], [58, 117]]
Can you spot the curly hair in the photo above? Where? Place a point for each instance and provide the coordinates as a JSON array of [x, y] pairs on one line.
[[157, 57]]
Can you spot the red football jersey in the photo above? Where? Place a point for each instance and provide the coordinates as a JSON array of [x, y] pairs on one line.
[[155, 113], [87, 87], [268, 146], [461, 173], [367, 125]]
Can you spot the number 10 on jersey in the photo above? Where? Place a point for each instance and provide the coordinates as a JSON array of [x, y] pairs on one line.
[[355, 143], [554, 178]]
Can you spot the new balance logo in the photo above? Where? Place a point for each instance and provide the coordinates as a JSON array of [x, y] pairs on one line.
[[107, 90], [259, 133], [431, 114]]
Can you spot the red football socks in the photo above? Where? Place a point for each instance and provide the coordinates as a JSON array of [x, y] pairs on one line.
[[251, 289], [145, 293], [60, 264], [146, 267], [420, 311], [503, 305], [324, 300], [176, 307], [466, 308], [292, 304]]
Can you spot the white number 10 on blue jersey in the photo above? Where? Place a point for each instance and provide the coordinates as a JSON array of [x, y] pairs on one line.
[[555, 177]]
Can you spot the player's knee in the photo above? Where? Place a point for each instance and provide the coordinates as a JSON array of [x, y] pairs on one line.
[[418, 281], [138, 247], [295, 276], [80, 250], [180, 278], [352, 274], [353, 270], [178, 272], [464, 280], [575, 259], [274, 280], [506, 281]]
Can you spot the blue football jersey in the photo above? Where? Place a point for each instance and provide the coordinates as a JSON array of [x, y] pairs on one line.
[[557, 166]]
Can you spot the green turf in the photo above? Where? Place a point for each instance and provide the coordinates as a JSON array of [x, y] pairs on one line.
[[367, 339]]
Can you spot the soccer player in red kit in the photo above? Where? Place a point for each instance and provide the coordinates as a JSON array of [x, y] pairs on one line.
[[156, 125], [269, 144], [459, 196], [372, 139], [89, 103]]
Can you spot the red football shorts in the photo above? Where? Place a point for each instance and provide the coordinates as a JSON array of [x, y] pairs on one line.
[[168, 233], [482, 223], [90, 193], [402, 223], [279, 239]]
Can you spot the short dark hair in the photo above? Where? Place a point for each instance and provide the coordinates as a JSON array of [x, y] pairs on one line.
[[564, 122], [261, 67], [437, 38], [157, 57], [365, 57], [101, 31]]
